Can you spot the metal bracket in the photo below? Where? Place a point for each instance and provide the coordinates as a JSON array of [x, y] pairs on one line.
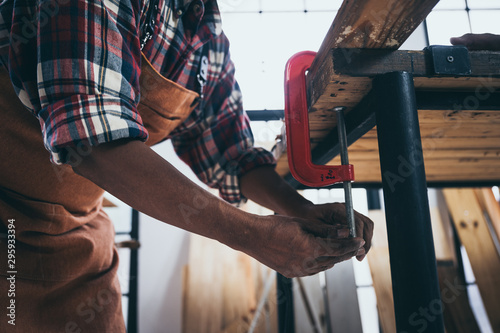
[[449, 60]]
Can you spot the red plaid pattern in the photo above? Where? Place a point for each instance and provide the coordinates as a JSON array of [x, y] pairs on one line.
[[75, 64]]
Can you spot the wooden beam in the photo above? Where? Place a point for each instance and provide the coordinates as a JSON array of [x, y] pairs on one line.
[[203, 302], [458, 315], [365, 24], [369, 62], [475, 236], [491, 207], [380, 269]]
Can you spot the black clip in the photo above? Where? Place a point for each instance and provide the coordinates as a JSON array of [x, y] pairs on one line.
[[449, 60]]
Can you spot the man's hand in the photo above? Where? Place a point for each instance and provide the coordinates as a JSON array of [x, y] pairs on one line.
[[294, 246], [489, 42], [299, 247], [267, 188], [335, 213]]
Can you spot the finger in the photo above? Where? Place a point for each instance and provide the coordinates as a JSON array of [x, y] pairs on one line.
[[320, 229], [368, 234], [364, 228], [334, 247], [484, 41], [361, 254], [343, 233]]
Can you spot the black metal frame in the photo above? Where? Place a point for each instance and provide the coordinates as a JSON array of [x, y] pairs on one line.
[[411, 245], [132, 294], [132, 316], [415, 282]]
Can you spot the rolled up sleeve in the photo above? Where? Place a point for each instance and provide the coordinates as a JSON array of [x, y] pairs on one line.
[[79, 73], [220, 149]]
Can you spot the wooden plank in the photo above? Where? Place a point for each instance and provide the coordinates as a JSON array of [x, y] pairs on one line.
[[238, 288], [443, 238], [380, 269], [438, 170], [475, 236], [458, 130], [365, 24], [491, 207], [371, 62], [220, 289], [368, 170], [444, 117], [435, 143], [458, 315], [437, 154], [203, 302]]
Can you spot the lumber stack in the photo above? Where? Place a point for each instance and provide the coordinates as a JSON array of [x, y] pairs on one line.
[[471, 219], [474, 215]]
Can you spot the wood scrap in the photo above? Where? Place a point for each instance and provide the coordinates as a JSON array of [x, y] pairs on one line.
[[475, 236]]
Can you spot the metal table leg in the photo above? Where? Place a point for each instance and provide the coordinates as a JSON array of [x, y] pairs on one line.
[[417, 298], [286, 317]]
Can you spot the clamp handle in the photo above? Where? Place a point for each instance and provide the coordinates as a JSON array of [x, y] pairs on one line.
[[297, 129]]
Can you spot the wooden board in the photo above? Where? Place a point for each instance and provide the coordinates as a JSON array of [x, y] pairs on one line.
[[364, 24], [491, 207], [219, 290], [203, 295], [458, 315], [380, 268], [475, 236], [457, 145], [354, 69], [342, 76]]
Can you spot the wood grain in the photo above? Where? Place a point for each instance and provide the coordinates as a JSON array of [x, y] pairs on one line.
[[365, 24], [490, 206], [380, 269], [457, 145], [475, 236]]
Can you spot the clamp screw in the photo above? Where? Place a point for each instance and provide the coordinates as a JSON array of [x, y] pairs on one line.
[[450, 58]]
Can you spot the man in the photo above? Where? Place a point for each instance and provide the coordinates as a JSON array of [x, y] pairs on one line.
[[76, 66]]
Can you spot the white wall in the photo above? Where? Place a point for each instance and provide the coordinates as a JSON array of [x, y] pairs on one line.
[[163, 253]]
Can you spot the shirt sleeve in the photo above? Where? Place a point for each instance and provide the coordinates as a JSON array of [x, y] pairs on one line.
[[220, 149], [79, 72]]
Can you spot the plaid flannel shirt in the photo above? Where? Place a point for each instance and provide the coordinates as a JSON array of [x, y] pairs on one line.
[[75, 64]]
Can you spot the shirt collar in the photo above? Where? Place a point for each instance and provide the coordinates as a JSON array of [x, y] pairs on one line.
[[212, 14]]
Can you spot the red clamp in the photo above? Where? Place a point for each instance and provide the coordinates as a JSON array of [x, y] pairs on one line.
[[297, 129]]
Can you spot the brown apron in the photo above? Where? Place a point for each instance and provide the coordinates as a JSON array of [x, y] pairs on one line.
[[65, 258]]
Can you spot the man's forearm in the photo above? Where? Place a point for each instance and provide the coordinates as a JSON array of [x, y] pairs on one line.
[[135, 174], [264, 186]]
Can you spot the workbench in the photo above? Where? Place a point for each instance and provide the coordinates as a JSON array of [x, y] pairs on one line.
[[414, 119]]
